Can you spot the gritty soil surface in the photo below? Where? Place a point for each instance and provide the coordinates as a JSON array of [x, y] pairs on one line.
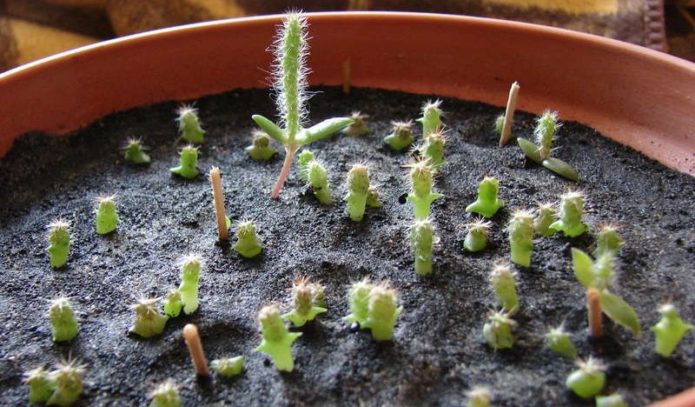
[[438, 352]]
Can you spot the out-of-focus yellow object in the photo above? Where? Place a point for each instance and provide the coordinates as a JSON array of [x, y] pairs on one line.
[[568, 6], [36, 41]]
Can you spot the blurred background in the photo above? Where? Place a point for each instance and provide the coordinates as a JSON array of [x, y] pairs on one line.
[[32, 29]]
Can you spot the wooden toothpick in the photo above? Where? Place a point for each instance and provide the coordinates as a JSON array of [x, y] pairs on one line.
[[195, 348], [218, 203], [346, 76], [593, 302], [509, 114]]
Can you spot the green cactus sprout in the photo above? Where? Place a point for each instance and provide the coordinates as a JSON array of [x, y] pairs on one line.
[[545, 217], [277, 340], [599, 275], [670, 330], [358, 298], [521, 232], [64, 325], [248, 243], [188, 161], [260, 148], [382, 312], [487, 204], [497, 331], [189, 124], [432, 149], [503, 282], [58, 243], [613, 400], [191, 266], [373, 200], [148, 321], [540, 151], [478, 397], [358, 127], [290, 82], [304, 302], [106, 215], [303, 160], [422, 240], [476, 238], [570, 215], [421, 195], [172, 303], [499, 124], [60, 387], [608, 240], [401, 136], [228, 367], [588, 380], [358, 191], [135, 152], [40, 385], [559, 341], [431, 119], [318, 179], [166, 394]]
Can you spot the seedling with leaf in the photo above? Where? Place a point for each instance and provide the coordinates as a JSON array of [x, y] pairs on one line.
[[477, 235], [358, 191], [189, 124], [318, 179], [608, 240], [305, 302], [544, 218], [165, 394], [487, 204], [135, 152], [277, 340], [382, 312], [431, 118], [588, 380], [670, 330], [570, 221], [191, 267], [228, 367], [260, 148], [290, 82], [358, 127], [503, 282], [540, 151], [559, 341], [401, 136], [597, 276], [58, 243], [188, 163], [497, 331], [421, 195], [106, 215], [60, 387], [248, 243], [520, 231], [148, 321], [422, 240], [64, 325], [478, 397]]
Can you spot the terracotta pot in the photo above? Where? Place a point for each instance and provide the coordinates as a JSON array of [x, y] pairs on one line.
[[638, 97]]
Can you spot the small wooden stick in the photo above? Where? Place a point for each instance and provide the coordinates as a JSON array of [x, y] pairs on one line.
[[346, 76], [509, 114], [685, 398], [593, 302], [218, 202], [195, 348]]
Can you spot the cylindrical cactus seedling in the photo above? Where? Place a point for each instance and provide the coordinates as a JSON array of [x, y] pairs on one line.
[[148, 321], [358, 299], [521, 232], [608, 240], [382, 312], [477, 235], [228, 367], [559, 341], [188, 163], [544, 218], [191, 267], [497, 331], [135, 152], [401, 136], [503, 282], [64, 325], [433, 149], [189, 124], [422, 240], [261, 148], [431, 118], [248, 244], [165, 394], [303, 160], [40, 385], [106, 215], [421, 195], [304, 302], [67, 384], [570, 221], [358, 191], [172, 303], [58, 243], [277, 340], [487, 204], [670, 330], [318, 179], [588, 380]]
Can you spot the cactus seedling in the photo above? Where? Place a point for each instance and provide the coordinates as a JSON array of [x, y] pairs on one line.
[[540, 151], [373, 198], [149, 321], [191, 266], [318, 179], [58, 243], [304, 301], [303, 160], [248, 243], [476, 238], [433, 148], [422, 240], [670, 330], [478, 397], [166, 394], [189, 124], [503, 282], [260, 148], [382, 312], [401, 136], [172, 303], [608, 240], [358, 127], [499, 124], [40, 385], [588, 380], [64, 325], [188, 161], [135, 152], [358, 298], [431, 118], [545, 217], [497, 331], [570, 215], [521, 231], [559, 341], [228, 367], [421, 195], [613, 400], [290, 82], [358, 191], [487, 204], [66, 383], [277, 340], [195, 348], [106, 215]]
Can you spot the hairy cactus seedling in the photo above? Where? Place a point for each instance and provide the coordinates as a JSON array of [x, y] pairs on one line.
[[189, 124], [148, 320], [499, 124], [373, 200], [476, 238], [188, 161], [570, 215], [277, 340], [318, 179], [670, 330], [58, 243], [106, 215], [303, 160], [596, 277], [540, 151], [521, 231], [478, 397], [40, 385], [503, 282], [431, 119], [588, 380], [545, 217], [248, 243], [305, 307], [613, 400], [497, 331], [421, 195], [487, 204], [358, 127], [401, 136], [358, 191], [382, 312], [172, 303], [433, 149], [559, 341], [166, 394], [64, 325], [608, 240], [135, 152], [358, 298], [290, 81], [260, 148], [67, 384], [191, 266], [422, 240], [228, 367]]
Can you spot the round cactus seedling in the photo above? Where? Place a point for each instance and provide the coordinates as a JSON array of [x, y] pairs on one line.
[[148, 321], [166, 394], [358, 127], [135, 152], [64, 325], [401, 136], [106, 215], [588, 380], [189, 124], [261, 148], [248, 244], [476, 238], [67, 384]]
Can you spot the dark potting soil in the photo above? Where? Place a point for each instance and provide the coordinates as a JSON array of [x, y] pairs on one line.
[[438, 352]]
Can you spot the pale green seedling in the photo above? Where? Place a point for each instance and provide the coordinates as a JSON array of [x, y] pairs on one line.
[[358, 191], [421, 194], [188, 163], [544, 218], [189, 124], [318, 180], [670, 330], [135, 152], [497, 331], [304, 302], [260, 148], [559, 341], [191, 267], [608, 240], [477, 235], [422, 240], [228, 367], [487, 204], [520, 231], [64, 325], [570, 215], [165, 394], [106, 219], [358, 299], [382, 312], [358, 127], [478, 397], [248, 244], [588, 380], [431, 118], [540, 151], [58, 243], [503, 282], [401, 136], [277, 340], [148, 320]]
